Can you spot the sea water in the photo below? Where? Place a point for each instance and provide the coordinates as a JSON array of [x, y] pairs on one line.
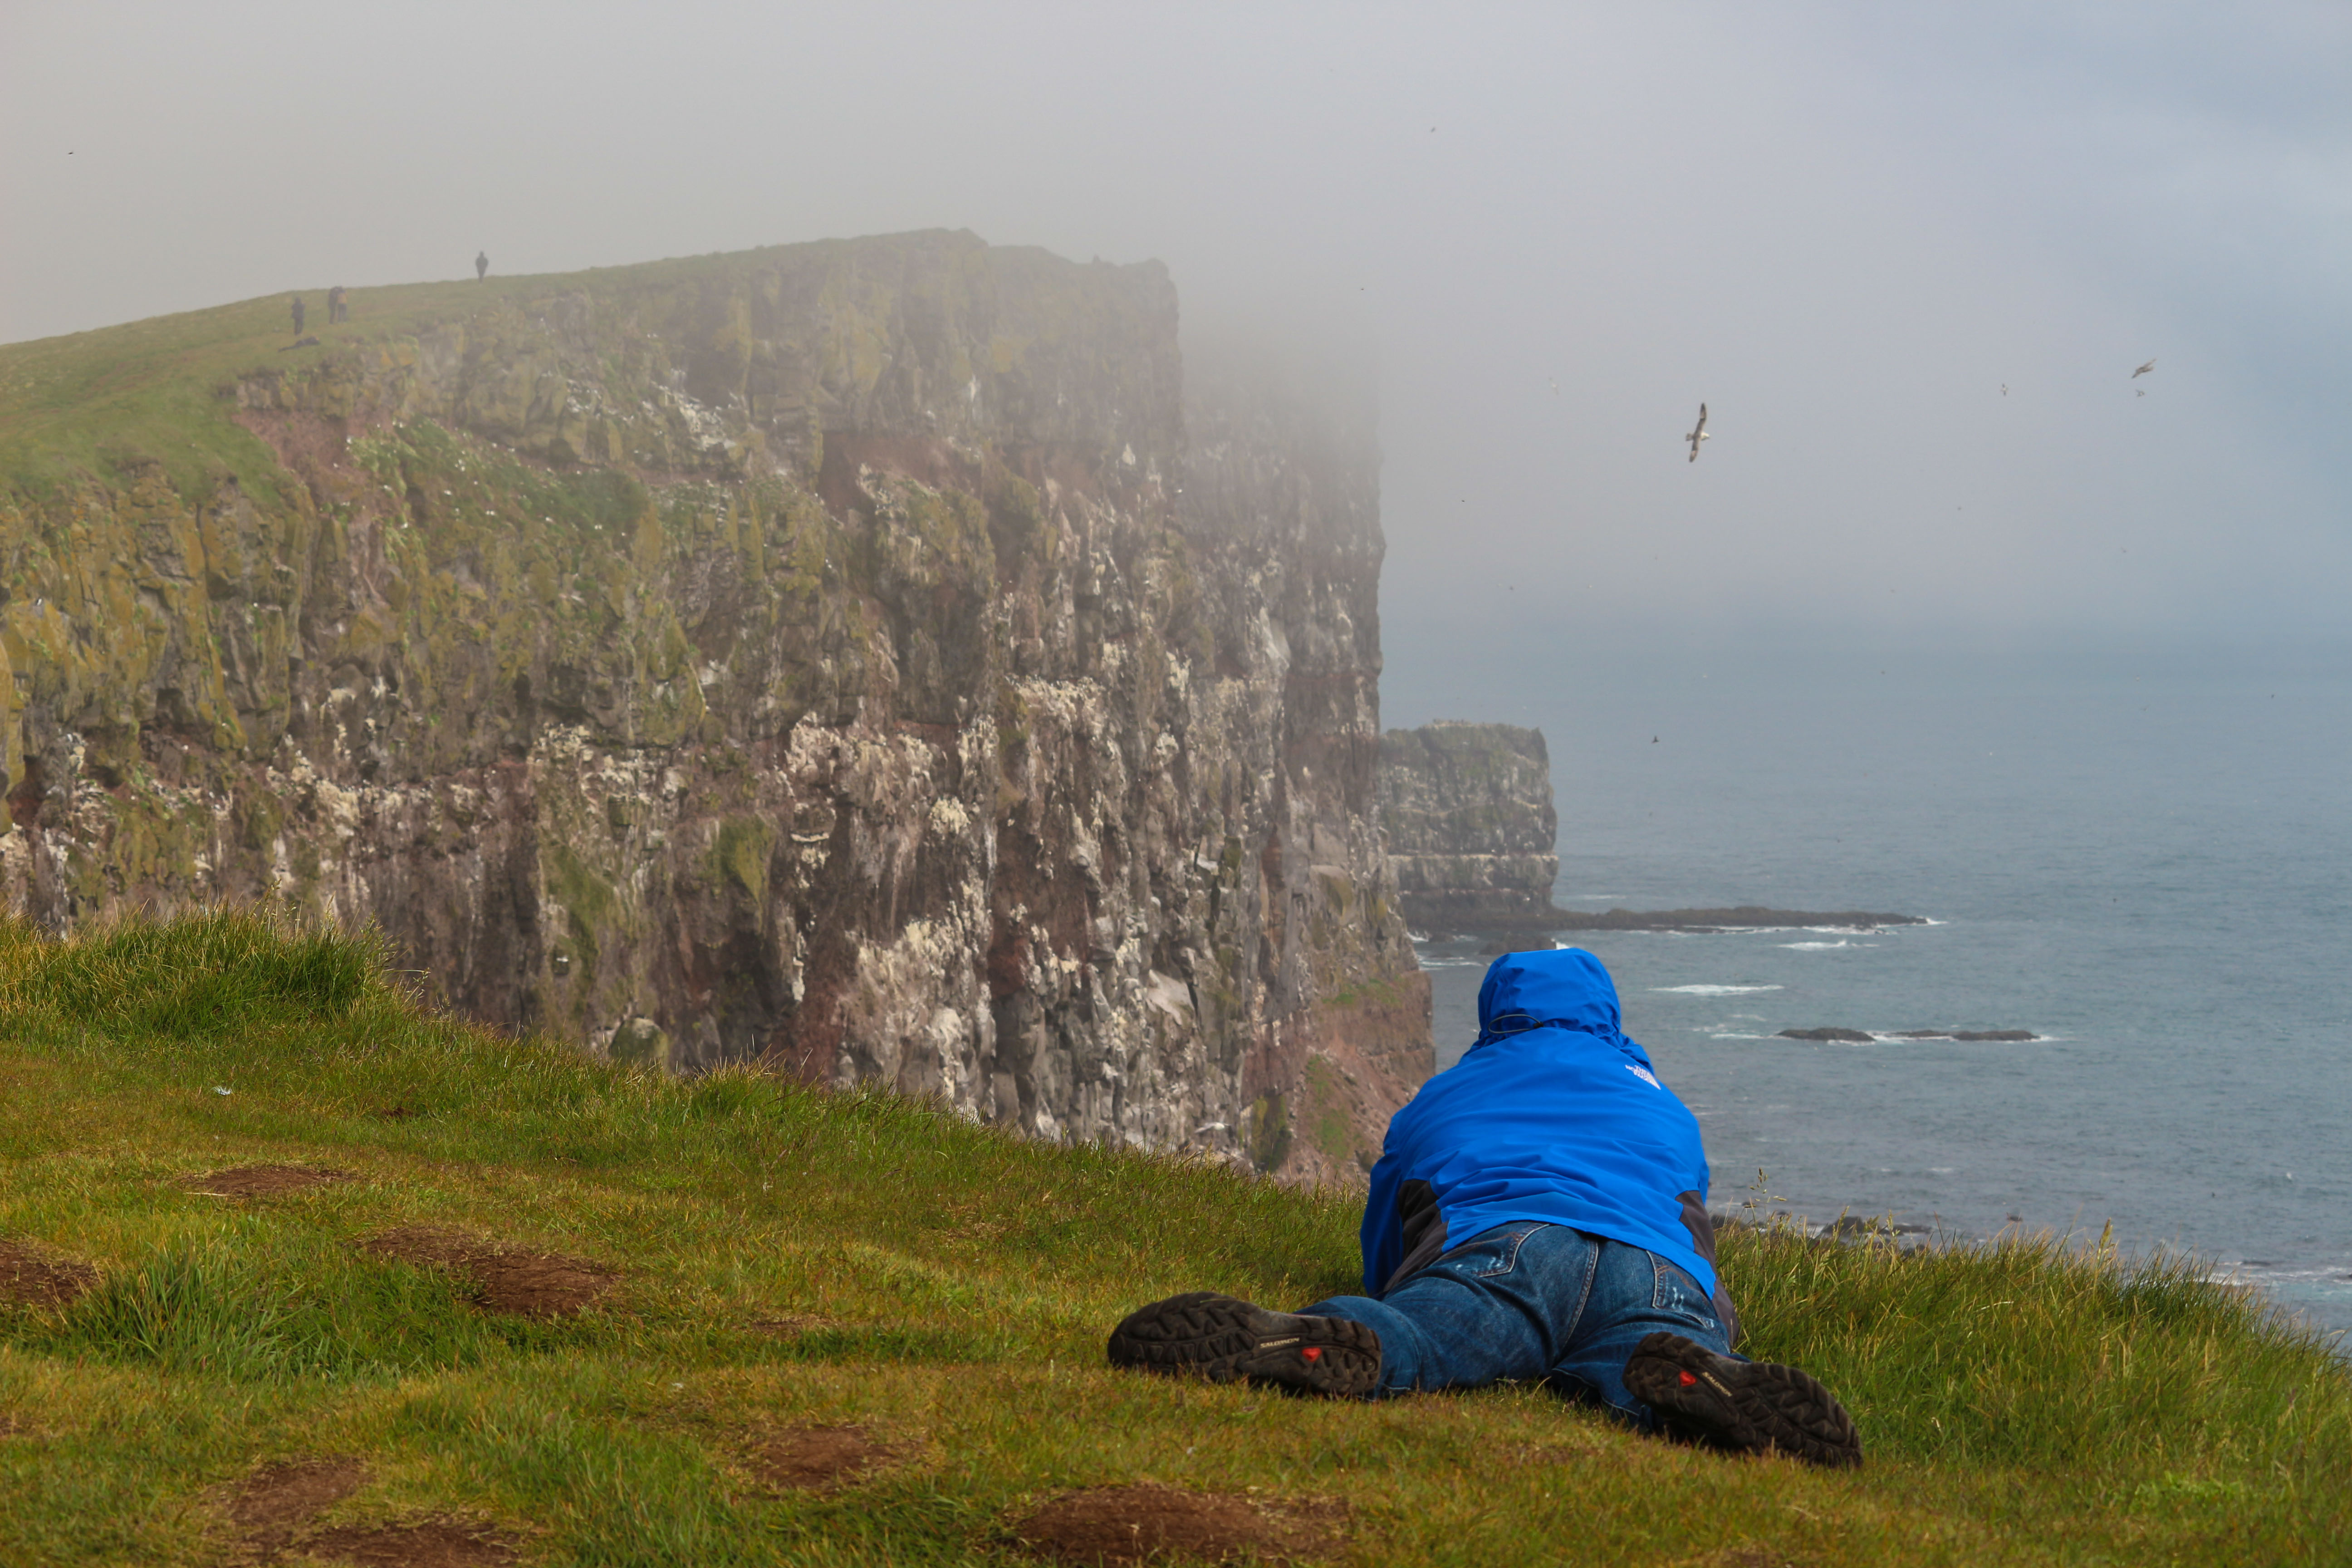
[[2145, 861]]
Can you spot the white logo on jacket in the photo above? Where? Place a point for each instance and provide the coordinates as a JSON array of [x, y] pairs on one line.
[[1643, 1074]]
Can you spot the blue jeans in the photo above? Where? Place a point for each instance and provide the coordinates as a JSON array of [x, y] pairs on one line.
[[1529, 1300]]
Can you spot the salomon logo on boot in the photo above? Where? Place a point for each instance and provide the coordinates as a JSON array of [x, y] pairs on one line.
[[1752, 1406]]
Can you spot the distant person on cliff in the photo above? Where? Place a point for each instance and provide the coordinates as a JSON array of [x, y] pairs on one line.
[[297, 315], [481, 265], [1539, 1213], [337, 310]]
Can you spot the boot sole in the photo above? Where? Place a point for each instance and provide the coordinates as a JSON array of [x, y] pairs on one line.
[[1226, 1339], [1755, 1407]]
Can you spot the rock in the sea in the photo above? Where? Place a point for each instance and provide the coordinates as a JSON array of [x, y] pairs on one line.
[[1467, 812], [1843, 1037], [1472, 835], [892, 660], [1877, 1230]]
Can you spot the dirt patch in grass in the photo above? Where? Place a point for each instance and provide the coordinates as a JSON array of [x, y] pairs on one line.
[[816, 1458], [395, 1113], [8, 1428], [506, 1280], [1748, 1557], [423, 1543], [790, 1326], [264, 1181], [1148, 1522], [275, 1501], [29, 1279]]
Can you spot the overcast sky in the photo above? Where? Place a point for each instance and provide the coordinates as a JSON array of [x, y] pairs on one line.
[[1844, 227]]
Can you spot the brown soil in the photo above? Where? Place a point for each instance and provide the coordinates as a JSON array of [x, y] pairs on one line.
[[427, 1543], [264, 1181], [8, 1428], [276, 1499], [817, 1457], [395, 1112], [1147, 1523], [28, 1279], [528, 1284]]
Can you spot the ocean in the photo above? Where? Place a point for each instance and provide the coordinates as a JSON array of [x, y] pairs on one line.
[[2146, 860]]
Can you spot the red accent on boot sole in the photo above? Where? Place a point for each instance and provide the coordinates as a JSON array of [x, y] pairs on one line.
[[1313, 1353], [1687, 1379]]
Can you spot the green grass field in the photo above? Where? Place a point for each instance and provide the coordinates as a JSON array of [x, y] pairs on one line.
[[777, 1258]]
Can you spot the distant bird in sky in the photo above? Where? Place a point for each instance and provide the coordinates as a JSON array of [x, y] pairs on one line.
[[1698, 434], [2004, 389], [2141, 371], [1555, 386]]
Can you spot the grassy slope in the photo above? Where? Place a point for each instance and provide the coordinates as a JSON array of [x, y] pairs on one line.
[[94, 402], [2018, 1406]]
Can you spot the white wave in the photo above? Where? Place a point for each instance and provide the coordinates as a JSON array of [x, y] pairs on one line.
[[1821, 947], [1899, 1037], [1709, 990], [2271, 1271]]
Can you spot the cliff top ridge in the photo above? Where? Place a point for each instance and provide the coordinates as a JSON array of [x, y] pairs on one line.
[[150, 393]]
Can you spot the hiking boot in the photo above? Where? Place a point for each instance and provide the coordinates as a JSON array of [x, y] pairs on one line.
[[1226, 1339], [1752, 1406]]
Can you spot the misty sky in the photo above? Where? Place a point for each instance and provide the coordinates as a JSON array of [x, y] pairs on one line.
[[1845, 226]]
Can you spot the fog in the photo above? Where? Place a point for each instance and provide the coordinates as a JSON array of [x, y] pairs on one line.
[[1554, 229]]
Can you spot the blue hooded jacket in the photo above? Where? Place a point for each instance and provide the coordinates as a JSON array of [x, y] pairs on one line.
[[1552, 1115]]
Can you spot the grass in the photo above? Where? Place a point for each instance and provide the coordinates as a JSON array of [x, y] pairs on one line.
[[2021, 1402], [108, 402], [103, 403]]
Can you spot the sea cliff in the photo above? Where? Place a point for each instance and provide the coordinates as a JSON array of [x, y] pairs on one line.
[[886, 659], [1471, 830]]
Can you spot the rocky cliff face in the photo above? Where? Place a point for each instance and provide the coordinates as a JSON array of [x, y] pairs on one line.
[[876, 658], [1471, 836]]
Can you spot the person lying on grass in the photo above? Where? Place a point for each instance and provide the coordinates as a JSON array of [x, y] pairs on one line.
[[1539, 1213]]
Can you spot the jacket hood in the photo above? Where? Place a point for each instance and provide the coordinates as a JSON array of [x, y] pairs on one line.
[[1565, 988]]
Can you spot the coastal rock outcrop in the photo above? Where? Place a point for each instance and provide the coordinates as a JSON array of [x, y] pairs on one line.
[[1467, 811], [888, 659]]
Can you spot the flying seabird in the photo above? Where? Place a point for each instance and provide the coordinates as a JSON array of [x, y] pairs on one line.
[[2141, 371], [1698, 435]]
